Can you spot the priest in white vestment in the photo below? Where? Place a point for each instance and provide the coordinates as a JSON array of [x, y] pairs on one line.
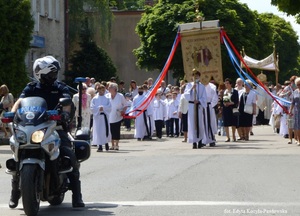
[[195, 93]]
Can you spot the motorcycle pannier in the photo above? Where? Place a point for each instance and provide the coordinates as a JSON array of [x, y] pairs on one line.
[[82, 150], [83, 134]]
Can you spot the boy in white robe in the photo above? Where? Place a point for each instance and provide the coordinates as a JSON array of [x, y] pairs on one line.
[[141, 126], [159, 114], [172, 114], [150, 120], [101, 107]]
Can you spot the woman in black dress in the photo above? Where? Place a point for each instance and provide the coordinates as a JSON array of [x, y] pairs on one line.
[[230, 101]]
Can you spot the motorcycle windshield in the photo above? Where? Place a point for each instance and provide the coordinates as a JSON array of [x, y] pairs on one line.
[[31, 111]]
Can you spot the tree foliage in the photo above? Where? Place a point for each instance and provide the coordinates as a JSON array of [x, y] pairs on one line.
[[90, 60], [285, 41], [291, 7], [128, 4], [16, 27], [98, 14], [257, 34]]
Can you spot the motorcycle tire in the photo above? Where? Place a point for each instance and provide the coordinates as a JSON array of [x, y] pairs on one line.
[[57, 200], [29, 177]]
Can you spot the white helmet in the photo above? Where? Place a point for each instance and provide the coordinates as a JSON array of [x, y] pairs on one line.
[[46, 69]]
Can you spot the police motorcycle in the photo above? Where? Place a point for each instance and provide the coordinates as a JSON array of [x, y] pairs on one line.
[[36, 155]]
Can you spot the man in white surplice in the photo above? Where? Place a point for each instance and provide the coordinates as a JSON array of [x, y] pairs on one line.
[[196, 101], [210, 115], [101, 107]]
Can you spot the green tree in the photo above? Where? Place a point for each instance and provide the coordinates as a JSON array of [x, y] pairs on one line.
[[285, 41], [98, 14], [158, 26], [128, 4], [91, 61], [16, 27], [291, 7]]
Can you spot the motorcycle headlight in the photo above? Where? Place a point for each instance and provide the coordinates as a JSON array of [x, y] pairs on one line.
[[20, 136], [37, 136]]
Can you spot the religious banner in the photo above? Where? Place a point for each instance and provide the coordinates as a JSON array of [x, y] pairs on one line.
[[201, 49]]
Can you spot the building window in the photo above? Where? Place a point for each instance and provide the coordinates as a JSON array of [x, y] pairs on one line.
[[33, 6], [57, 10], [50, 9], [36, 21], [42, 7]]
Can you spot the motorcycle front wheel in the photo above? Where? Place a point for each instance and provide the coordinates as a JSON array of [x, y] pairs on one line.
[[29, 177]]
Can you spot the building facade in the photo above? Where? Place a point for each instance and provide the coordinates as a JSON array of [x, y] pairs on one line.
[[48, 37]]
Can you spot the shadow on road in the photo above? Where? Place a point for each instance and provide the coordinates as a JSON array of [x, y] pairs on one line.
[[94, 209]]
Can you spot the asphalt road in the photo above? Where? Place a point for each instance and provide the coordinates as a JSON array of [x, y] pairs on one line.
[[256, 177]]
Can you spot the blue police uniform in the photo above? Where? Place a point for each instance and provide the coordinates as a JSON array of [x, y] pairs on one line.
[[51, 95]]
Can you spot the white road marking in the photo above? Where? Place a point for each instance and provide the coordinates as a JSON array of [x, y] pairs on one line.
[[195, 203], [175, 203]]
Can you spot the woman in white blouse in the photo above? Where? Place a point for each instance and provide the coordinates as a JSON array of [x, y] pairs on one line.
[[118, 108], [247, 99]]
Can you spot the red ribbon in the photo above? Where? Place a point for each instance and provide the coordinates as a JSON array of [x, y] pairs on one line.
[[224, 35], [143, 106]]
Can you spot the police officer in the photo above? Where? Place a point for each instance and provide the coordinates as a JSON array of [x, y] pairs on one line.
[[45, 70]]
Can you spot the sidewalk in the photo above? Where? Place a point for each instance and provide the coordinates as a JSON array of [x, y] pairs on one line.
[[124, 135], [257, 129]]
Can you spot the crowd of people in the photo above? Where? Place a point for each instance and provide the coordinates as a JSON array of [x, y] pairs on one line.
[[229, 109], [194, 111], [285, 117]]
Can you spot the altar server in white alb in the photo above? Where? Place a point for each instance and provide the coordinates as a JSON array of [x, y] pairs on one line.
[[195, 94], [172, 114], [150, 120], [101, 107], [141, 125], [159, 114], [210, 122]]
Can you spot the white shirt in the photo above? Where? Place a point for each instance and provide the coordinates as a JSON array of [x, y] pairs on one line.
[[211, 93], [164, 91], [172, 111], [251, 98], [159, 111], [183, 105], [117, 105]]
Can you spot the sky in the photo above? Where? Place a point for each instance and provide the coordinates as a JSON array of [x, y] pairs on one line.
[[263, 6]]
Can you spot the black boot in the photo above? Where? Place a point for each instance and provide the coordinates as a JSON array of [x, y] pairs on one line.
[[15, 194], [200, 145], [106, 146], [77, 197]]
